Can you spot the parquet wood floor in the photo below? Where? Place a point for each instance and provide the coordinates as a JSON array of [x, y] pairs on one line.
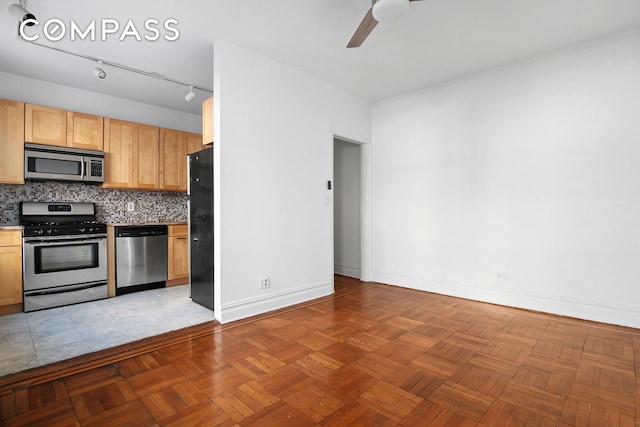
[[370, 355]]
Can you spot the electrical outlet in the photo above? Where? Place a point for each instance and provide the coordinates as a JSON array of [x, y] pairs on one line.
[[131, 207], [502, 276], [264, 283]]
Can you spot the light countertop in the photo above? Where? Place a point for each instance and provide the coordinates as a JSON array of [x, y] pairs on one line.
[[124, 224]]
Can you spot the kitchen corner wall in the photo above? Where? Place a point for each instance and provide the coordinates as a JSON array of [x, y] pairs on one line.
[[111, 205]]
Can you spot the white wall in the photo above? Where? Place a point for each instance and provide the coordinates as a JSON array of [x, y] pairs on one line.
[[54, 95], [346, 218], [531, 170], [273, 151]]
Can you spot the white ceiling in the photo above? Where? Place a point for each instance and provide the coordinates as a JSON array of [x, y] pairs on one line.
[[438, 41]]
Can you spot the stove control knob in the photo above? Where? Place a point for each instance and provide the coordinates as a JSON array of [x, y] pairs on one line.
[[49, 230], [82, 230], [38, 231]]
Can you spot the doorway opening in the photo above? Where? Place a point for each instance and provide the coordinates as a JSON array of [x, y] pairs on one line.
[[347, 208]]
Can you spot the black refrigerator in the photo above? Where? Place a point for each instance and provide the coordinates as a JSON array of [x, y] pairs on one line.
[[201, 226]]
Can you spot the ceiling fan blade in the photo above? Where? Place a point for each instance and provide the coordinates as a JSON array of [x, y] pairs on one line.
[[364, 29]]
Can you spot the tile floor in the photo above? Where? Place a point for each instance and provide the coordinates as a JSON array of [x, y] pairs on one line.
[[38, 338]]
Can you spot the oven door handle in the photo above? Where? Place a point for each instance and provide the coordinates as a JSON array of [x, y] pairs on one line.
[[62, 291], [54, 241]]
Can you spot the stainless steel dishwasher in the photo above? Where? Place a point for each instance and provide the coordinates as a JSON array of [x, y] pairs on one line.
[[141, 257]]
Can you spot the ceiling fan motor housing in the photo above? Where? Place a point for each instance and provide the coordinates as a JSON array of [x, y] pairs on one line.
[[389, 10]]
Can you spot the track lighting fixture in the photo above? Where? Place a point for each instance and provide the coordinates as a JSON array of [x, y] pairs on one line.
[[99, 72], [189, 96], [19, 12]]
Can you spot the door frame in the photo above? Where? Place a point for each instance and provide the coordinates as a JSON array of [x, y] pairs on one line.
[[365, 201]]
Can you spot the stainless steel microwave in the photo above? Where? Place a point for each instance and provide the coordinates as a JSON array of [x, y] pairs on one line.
[[47, 162]]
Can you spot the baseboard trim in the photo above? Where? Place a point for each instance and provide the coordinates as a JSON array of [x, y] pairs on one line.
[[581, 310], [11, 309], [178, 281], [343, 270], [252, 306]]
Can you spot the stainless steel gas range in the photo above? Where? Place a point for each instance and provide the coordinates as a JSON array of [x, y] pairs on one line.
[[64, 254]]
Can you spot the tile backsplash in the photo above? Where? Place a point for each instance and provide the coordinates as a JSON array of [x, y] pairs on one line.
[[111, 205]]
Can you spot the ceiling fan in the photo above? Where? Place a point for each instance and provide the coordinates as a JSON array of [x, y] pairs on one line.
[[381, 11]]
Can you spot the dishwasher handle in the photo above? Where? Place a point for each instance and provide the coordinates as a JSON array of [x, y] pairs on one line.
[[141, 230]]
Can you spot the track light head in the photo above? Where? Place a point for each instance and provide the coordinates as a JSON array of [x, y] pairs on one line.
[[189, 96], [99, 72], [21, 14]]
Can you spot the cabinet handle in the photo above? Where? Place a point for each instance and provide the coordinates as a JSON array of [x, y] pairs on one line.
[[181, 238]]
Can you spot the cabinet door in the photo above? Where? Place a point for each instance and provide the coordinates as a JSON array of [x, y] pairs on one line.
[[178, 257], [45, 125], [194, 142], [84, 131], [118, 153], [145, 157], [173, 158], [11, 268], [11, 142], [207, 121]]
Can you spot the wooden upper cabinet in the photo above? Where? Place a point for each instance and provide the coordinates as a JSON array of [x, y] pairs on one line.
[[207, 121], [45, 125], [174, 147], [52, 126], [85, 131], [194, 142], [173, 158], [137, 156], [145, 157], [11, 142], [118, 153]]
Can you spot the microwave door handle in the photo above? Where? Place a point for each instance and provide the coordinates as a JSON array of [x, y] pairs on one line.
[[83, 168]]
